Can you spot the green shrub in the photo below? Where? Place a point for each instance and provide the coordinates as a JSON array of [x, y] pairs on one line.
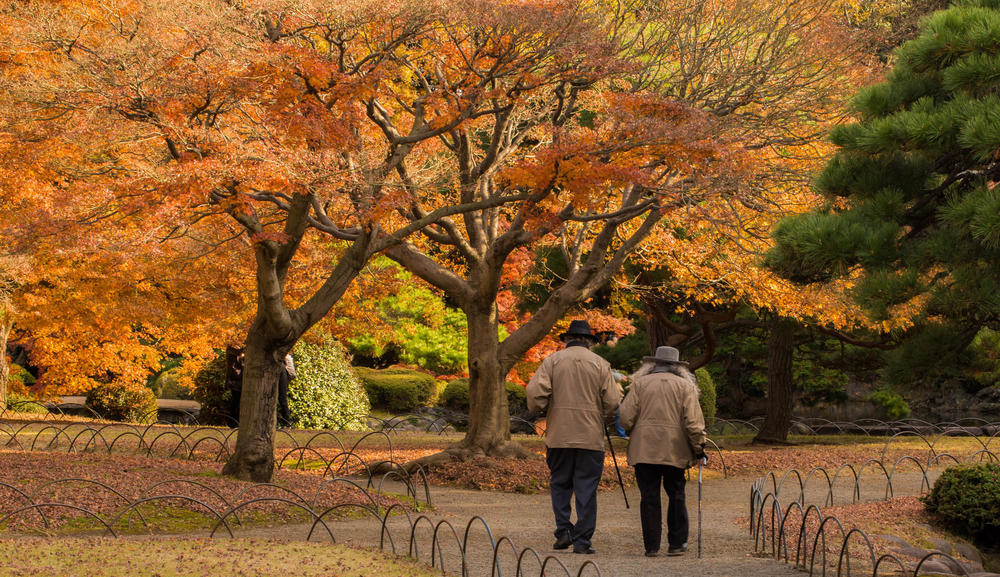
[[165, 386], [967, 499], [210, 390], [517, 398], [456, 397], [121, 403], [422, 329], [25, 404], [986, 360], [707, 399], [397, 390], [326, 393], [892, 403], [626, 355], [819, 383]]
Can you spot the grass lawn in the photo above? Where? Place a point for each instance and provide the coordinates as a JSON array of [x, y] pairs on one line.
[[100, 557]]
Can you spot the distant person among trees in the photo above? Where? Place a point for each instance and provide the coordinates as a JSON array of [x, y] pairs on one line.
[[667, 436], [286, 376], [234, 380], [576, 391]]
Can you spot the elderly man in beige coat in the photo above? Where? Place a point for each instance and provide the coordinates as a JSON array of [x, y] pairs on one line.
[[575, 389], [667, 436]]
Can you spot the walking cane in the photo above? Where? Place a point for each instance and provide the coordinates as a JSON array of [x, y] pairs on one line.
[[701, 462], [615, 459]]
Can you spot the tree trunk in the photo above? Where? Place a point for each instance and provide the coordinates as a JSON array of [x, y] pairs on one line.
[[6, 323], [253, 458], [657, 333], [660, 331], [274, 332], [780, 385], [489, 413], [489, 416]]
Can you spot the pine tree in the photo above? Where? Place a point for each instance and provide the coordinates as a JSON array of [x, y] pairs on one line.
[[913, 211]]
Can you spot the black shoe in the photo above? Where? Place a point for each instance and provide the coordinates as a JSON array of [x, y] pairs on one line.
[[563, 541], [675, 551], [655, 553], [584, 550]]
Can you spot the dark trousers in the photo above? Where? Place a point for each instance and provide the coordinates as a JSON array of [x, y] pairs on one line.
[[575, 472], [234, 407], [284, 417], [649, 477]]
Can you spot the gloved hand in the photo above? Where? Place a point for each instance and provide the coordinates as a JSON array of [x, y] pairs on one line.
[[700, 454]]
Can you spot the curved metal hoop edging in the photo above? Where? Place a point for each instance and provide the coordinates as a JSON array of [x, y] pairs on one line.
[[27, 498], [319, 518], [63, 505], [139, 502], [222, 520]]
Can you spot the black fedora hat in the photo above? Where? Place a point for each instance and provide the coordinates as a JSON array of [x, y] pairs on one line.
[[666, 356], [579, 329]]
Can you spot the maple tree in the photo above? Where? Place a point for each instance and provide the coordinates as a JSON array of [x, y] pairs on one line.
[[773, 75], [599, 156], [712, 267], [881, 26], [83, 326], [221, 121], [79, 323]]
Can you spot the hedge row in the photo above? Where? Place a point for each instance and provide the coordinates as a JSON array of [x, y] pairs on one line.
[[456, 397], [398, 390]]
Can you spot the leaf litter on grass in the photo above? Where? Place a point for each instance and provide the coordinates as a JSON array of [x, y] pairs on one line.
[[42, 474], [173, 557]]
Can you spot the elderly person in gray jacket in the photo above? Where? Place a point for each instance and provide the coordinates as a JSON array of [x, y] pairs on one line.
[[667, 436], [576, 391]]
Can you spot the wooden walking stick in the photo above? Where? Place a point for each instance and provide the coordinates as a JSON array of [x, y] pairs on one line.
[[613, 458], [701, 462]]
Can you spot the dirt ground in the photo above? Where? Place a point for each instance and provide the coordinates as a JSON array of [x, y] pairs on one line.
[[526, 520]]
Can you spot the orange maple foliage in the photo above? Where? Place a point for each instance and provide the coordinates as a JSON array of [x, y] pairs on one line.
[[267, 135], [779, 107]]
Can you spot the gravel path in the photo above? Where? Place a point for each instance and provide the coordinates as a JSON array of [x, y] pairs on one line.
[[527, 521]]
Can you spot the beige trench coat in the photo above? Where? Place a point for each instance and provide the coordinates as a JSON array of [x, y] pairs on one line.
[[662, 413], [576, 391]]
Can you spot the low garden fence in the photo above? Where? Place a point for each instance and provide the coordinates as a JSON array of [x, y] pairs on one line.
[[472, 550], [787, 521]]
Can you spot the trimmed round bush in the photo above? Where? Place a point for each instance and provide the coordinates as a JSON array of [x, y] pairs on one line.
[[117, 402], [967, 499], [456, 397], [707, 399], [326, 393], [517, 398], [397, 390], [211, 392]]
